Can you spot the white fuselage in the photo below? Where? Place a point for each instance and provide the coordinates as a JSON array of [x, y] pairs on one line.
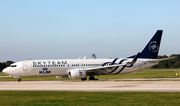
[[62, 67], [80, 68]]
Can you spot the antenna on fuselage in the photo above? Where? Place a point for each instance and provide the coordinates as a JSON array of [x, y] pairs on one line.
[[93, 56]]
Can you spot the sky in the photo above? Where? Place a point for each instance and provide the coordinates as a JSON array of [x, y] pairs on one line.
[[72, 29]]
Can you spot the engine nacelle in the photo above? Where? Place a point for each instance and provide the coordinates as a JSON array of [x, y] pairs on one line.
[[77, 73], [59, 77]]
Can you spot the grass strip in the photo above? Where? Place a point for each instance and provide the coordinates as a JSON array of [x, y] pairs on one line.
[[64, 98]]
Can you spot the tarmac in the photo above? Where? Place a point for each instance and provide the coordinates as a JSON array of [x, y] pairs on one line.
[[144, 86]]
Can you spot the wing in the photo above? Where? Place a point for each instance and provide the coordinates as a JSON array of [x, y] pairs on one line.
[[104, 68]]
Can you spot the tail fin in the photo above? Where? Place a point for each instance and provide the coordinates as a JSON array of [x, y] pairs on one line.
[[152, 48]]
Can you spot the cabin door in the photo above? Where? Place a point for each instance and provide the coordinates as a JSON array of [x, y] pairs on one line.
[[24, 66], [139, 64]]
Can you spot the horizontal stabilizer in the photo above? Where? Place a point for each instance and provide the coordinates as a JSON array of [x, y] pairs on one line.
[[163, 59]]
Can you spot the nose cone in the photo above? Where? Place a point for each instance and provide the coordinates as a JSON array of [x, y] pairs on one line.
[[5, 71]]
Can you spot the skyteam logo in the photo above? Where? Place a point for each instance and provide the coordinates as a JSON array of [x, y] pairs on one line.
[[153, 46], [45, 71]]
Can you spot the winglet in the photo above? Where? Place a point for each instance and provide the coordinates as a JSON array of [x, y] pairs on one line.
[[134, 60]]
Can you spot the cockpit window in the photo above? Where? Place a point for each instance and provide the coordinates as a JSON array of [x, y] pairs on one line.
[[13, 66]]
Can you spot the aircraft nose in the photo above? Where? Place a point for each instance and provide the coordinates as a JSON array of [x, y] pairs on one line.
[[5, 71]]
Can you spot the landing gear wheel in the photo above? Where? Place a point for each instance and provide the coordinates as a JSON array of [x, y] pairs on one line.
[[19, 80], [83, 79], [91, 78]]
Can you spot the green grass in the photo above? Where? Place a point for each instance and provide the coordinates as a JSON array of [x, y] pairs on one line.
[[61, 98], [147, 73]]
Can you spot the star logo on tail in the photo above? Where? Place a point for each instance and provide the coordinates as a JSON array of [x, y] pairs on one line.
[[153, 46]]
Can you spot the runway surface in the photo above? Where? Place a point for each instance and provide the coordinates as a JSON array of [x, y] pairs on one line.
[[153, 86]]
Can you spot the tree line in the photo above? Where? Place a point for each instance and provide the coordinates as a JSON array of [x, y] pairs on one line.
[[5, 64], [172, 63]]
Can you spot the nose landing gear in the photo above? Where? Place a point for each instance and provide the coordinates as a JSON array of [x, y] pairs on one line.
[[19, 80]]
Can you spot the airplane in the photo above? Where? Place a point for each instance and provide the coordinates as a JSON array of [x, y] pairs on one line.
[[81, 68]]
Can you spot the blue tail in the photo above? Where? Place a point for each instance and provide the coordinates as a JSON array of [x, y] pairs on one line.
[[152, 48]]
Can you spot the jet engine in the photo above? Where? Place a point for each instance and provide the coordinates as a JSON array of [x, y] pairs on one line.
[[77, 73]]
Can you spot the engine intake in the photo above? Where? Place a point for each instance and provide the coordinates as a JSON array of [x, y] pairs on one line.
[[77, 74]]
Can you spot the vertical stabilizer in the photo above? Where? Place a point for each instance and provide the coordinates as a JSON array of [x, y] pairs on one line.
[[152, 48]]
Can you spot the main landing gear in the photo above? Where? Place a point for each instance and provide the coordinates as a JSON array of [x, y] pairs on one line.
[[19, 80], [83, 79], [90, 78]]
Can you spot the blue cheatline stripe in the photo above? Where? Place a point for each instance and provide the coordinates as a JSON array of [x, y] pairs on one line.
[[124, 67], [122, 61], [121, 69], [106, 63], [117, 66], [112, 63], [114, 69]]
